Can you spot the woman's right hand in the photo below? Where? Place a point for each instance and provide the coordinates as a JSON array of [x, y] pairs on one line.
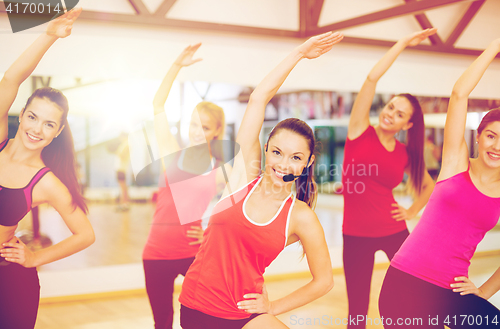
[[417, 37], [186, 57], [61, 26]]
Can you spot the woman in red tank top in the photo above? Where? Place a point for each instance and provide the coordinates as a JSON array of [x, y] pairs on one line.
[[188, 182], [257, 217], [374, 164], [36, 166]]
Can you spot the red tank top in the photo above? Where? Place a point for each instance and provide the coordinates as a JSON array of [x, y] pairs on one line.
[[179, 206], [369, 174], [233, 256]]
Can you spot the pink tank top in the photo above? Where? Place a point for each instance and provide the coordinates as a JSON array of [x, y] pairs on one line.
[[233, 256], [180, 205], [454, 221]]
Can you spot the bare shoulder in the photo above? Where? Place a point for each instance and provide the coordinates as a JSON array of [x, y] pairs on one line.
[[302, 214], [49, 189]]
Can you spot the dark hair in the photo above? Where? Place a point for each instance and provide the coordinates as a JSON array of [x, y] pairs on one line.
[[59, 155], [305, 185], [492, 116], [415, 144]]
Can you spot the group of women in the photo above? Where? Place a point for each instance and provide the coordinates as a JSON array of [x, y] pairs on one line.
[[263, 211]]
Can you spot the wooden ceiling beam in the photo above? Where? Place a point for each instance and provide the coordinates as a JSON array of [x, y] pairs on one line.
[[139, 7], [431, 48], [411, 8], [462, 24], [177, 23], [310, 10], [164, 8], [424, 23]]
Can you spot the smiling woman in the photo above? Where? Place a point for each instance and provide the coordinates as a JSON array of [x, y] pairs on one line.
[[37, 166], [248, 228], [372, 219], [432, 266]]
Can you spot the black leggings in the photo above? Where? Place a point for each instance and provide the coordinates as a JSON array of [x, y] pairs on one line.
[[193, 319], [359, 257], [160, 276], [19, 296], [416, 303]]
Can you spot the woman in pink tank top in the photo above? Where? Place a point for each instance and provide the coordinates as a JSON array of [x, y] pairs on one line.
[[36, 166], [257, 217], [427, 284], [372, 219], [189, 180]]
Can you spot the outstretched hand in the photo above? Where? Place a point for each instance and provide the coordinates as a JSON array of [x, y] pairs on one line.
[[61, 26], [417, 37], [186, 57], [320, 44]]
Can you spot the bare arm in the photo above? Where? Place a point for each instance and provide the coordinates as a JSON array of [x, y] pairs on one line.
[[248, 134], [82, 236], [166, 141], [359, 119], [310, 232], [22, 68], [455, 155]]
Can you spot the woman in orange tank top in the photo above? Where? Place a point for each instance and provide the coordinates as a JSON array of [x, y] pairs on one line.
[[224, 286]]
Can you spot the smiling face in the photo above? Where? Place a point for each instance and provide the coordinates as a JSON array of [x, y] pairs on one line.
[[203, 128], [489, 145], [287, 153], [396, 115], [40, 123]]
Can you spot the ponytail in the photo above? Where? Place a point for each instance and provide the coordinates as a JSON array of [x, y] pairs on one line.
[[415, 145], [306, 188], [59, 156]]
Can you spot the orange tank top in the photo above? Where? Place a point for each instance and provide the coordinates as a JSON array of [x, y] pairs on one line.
[[234, 255]]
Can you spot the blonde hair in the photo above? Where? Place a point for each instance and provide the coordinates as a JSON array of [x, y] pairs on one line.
[[216, 112]]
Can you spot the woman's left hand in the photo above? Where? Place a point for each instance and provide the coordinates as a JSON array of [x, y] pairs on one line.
[[401, 213], [256, 303], [18, 253], [196, 232], [466, 287]]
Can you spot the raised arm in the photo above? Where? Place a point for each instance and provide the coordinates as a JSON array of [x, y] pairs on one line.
[[455, 155], [166, 141], [360, 114], [248, 133], [22, 68]]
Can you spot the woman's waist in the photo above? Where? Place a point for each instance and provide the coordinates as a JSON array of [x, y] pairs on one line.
[[7, 234]]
